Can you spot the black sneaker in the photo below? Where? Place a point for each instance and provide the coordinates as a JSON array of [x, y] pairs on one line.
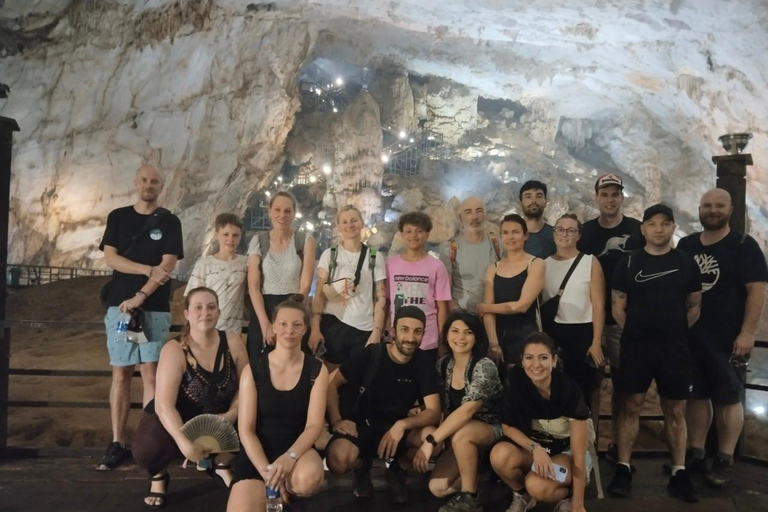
[[721, 474], [462, 502], [612, 453], [115, 455], [621, 485], [680, 486], [363, 484], [398, 492]]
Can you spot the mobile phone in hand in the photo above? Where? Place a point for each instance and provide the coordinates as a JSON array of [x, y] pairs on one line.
[[561, 473]]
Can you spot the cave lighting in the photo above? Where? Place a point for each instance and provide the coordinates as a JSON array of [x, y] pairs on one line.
[[411, 140], [374, 230], [309, 226], [280, 179], [335, 110], [339, 81], [267, 193], [312, 178], [384, 158], [403, 135], [318, 91], [299, 215], [327, 168], [759, 410], [430, 138]]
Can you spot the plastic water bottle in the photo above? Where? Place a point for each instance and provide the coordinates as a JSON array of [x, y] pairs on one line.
[[274, 500], [122, 326]]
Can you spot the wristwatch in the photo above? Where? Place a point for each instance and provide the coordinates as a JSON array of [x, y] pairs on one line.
[[292, 454], [431, 440]]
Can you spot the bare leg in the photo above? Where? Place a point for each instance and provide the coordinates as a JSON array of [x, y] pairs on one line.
[[467, 443], [546, 490], [307, 475], [508, 461], [698, 416], [343, 456], [730, 421], [445, 479], [120, 401], [148, 371], [247, 496], [674, 425], [630, 424]]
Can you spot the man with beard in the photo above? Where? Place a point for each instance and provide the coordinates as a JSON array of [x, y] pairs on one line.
[[374, 422], [142, 243], [734, 276], [608, 237], [468, 255], [541, 236], [656, 299]]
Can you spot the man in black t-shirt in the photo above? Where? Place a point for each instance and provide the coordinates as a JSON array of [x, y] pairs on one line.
[[380, 425], [141, 243], [609, 237], [656, 298], [734, 276]]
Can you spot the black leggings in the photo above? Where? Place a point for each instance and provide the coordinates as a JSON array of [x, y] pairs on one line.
[[153, 447]]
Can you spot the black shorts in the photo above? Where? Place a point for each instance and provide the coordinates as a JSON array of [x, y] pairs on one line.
[[661, 357], [244, 468], [714, 377], [368, 439], [342, 341], [574, 341]]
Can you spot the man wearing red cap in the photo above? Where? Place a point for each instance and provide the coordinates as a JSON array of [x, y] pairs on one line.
[[609, 237]]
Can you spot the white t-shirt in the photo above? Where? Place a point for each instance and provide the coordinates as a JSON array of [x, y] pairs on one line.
[[356, 311], [227, 279], [576, 302]]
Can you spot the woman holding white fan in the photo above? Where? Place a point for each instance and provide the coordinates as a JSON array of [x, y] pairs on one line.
[[198, 373]]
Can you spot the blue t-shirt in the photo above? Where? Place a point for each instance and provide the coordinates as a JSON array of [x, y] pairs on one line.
[[541, 244]]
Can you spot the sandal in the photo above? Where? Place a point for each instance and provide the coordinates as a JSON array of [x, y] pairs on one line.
[[212, 472], [161, 495]]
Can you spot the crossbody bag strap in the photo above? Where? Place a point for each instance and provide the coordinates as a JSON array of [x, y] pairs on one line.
[[152, 222], [360, 261], [569, 273]]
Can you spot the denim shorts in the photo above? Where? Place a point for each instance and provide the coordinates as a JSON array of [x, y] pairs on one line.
[[123, 353]]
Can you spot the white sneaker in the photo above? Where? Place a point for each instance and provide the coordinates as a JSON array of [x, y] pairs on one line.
[[521, 503], [563, 506]]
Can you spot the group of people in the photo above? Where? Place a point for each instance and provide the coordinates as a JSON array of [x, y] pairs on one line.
[[489, 356]]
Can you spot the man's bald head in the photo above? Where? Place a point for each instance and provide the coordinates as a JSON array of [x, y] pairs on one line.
[[472, 214], [149, 183], [715, 209]]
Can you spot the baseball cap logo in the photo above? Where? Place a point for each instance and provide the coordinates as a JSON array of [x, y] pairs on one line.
[[605, 180]]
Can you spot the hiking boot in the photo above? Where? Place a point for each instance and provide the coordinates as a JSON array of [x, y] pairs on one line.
[[398, 492], [612, 453], [462, 502], [621, 485], [721, 474], [521, 502], [114, 456], [363, 484], [563, 506], [680, 486]]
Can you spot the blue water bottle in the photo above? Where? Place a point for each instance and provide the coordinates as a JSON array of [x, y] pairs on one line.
[[122, 327], [274, 500]]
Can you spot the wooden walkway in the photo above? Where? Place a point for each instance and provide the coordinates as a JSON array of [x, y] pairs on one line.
[[71, 484]]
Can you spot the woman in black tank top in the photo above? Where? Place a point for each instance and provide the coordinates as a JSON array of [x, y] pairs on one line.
[[188, 384], [282, 411], [512, 287]]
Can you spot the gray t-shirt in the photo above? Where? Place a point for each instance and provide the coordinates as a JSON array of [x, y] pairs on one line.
[[468, 271], [541, 244]]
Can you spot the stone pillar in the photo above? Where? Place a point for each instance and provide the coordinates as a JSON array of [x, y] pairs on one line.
[[732, 176], [7, 127]]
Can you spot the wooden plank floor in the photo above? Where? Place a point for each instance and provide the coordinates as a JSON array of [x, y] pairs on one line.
[[71, 484]]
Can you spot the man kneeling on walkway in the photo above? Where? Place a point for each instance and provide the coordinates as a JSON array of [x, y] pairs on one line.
[[369, 418]]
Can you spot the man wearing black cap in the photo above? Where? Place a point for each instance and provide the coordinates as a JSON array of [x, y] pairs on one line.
[[734, 275], [609, 237], [381, 384], [656, 298]]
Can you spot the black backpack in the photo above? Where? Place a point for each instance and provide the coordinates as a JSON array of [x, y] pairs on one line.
[[350, 399]]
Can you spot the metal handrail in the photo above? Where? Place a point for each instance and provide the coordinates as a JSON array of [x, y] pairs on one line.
[[19, 274]]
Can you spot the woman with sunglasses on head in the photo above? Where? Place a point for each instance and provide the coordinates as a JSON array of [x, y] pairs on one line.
[[281, 415], [349, 307], [471, 401], [577, 328], [512, 288], [543, 454], [281, 262], [186, 373]]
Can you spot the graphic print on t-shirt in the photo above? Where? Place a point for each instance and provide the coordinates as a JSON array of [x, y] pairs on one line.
[[615, 243], [411, 291], [710, 270]]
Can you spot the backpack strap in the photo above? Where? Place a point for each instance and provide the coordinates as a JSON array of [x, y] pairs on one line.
[[372, 266], [359, 269], [299, 239], [263, 244], [370, 373], [496, 246], [454, 251], [332, 264]]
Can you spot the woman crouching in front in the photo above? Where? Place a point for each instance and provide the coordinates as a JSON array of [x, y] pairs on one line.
[[186, 372], [543, 456], [281, 415]]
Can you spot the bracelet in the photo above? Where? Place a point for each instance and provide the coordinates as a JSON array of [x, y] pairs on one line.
[[533, 446], [142, 294]]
